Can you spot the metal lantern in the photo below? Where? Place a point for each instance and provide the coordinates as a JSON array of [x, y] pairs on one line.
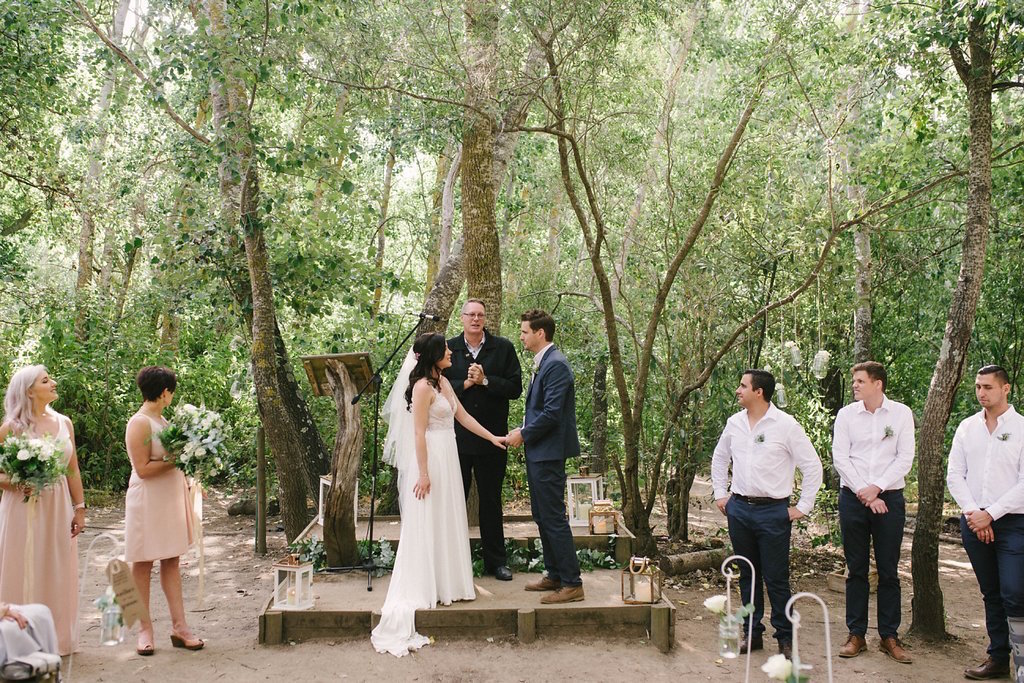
[[780, 396], [293, 584], [325, 492], [641, 582], [819, 366], [581, 493], [602, 518]]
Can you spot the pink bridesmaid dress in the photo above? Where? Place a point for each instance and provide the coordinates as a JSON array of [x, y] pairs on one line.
[[45, 525], [157, 518]]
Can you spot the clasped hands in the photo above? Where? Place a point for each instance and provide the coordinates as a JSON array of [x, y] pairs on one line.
[[980, 522], [868, 496], [476, 375]]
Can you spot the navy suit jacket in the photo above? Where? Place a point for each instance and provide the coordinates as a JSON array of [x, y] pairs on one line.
[[549, 430]]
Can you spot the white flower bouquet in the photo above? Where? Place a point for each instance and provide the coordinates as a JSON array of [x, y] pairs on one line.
[[33, 462], [779, 668], [193, 438]]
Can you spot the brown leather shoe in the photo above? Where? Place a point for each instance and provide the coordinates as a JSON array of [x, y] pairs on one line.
[[892, 646], [544, 584], [988, 669], [854, 646], [564, 594]]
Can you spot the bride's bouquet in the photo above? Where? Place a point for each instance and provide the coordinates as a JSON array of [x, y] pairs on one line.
[[194, 437], [36, 462]]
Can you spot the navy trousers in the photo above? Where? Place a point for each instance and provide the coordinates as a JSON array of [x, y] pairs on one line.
[[761, 534], [999, 567], [861, 528], [547, 502]]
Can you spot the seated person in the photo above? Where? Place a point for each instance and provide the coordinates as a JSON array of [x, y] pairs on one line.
[[25, 630]]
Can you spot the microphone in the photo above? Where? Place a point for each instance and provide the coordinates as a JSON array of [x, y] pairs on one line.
[[428, 316]]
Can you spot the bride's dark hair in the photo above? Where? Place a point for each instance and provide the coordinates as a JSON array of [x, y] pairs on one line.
[[429, 348]]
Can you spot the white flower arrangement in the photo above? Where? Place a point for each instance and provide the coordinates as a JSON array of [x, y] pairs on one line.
[[779, 668], [194, 438], [32, 462]]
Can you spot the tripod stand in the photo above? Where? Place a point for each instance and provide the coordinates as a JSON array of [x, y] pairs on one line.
[[375, 381]]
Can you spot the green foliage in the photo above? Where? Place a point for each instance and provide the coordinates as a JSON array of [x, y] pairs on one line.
[[530, 557], [311, 550], [383, 555]]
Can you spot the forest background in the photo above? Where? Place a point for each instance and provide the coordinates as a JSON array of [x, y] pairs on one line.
[[692, 188]]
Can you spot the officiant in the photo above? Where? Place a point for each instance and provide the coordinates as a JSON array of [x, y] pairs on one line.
[[486, 376]]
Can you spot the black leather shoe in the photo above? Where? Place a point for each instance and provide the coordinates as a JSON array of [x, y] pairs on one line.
[[786, 648], [503, 573], [756, 643]]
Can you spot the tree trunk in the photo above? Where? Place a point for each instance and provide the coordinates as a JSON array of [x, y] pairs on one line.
[[928, 610], [482, 246], [90, 199], [339, 522], [444, 162], [239, 187], [385, 202], [599, 432]]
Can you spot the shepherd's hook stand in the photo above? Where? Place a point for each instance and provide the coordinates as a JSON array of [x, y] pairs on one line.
[[81, 583], [794, 618], [729, 575]]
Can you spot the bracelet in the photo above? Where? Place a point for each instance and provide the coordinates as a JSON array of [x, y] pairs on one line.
[[79, 506]]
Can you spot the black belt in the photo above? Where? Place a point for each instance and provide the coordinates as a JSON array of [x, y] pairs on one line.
[[759, 500]]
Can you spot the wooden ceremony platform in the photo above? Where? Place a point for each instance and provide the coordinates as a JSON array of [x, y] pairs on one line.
[[502, 609]]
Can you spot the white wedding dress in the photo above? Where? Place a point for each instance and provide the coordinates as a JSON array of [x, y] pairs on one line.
[[433, 563]]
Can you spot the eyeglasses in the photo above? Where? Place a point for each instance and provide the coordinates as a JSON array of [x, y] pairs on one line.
[[474, 316]]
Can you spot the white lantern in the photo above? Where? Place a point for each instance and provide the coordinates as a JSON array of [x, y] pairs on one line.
[[581, 492], [293, 584], [819, 366], [325, 492]]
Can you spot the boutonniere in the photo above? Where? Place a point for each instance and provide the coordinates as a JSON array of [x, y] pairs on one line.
[[759, 438], [1005, 436], [888, 432]]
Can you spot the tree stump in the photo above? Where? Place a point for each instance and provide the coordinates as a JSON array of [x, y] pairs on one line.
[[339, 520]]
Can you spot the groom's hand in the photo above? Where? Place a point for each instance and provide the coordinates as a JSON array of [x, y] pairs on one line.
[[514, 438]]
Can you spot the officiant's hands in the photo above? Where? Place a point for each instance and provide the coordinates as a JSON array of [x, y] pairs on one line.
[[514, 438]]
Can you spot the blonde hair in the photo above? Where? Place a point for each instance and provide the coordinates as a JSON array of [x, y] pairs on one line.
[[17, 404]]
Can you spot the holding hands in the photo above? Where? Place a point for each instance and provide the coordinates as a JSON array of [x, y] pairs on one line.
[[514, 438]]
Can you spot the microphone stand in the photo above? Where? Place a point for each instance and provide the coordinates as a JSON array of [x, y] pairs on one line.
[[375, 381]]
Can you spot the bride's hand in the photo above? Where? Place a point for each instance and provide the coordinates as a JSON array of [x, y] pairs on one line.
[[422, 487], [498, 441]]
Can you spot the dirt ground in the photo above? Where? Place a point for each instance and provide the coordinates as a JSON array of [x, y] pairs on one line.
[[238, 584]]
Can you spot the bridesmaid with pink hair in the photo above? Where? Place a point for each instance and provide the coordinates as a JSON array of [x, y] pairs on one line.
[[158, 524], [38, 544]]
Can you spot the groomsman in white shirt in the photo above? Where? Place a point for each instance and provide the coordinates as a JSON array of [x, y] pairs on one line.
[[872, 449], [764, 446], [986, 477]]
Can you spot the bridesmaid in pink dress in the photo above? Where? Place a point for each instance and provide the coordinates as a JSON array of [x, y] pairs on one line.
[[38, 544], [157, 518]]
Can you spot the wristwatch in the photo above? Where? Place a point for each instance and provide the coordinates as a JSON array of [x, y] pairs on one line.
[[485, 382]]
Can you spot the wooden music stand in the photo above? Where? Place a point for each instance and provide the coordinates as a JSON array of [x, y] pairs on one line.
[[357, 364]]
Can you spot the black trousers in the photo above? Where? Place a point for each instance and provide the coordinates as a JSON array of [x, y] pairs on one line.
[[547, 502], [761, 533], [490, 477], [861, 528], [999, 568]]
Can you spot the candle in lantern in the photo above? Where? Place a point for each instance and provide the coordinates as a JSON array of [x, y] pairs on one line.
[[583, 510], [643, 591], [601, 525]]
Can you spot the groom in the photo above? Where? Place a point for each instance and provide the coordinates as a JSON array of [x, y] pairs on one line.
[[549, 435]]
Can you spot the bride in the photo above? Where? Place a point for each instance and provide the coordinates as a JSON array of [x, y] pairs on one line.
[[433, 562]]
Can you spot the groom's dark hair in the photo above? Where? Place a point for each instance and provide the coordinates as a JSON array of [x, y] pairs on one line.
[[540, 320]]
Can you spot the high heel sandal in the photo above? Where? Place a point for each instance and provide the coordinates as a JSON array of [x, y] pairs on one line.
[[178, 641], [145, 649]]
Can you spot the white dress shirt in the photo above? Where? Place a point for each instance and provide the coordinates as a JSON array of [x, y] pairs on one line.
[[986, 470], [763, 458], [873, 448]]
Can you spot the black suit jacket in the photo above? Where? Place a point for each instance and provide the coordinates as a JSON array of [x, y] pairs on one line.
[[489, 405]]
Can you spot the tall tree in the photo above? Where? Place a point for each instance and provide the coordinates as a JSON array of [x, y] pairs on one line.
[[972, 56]]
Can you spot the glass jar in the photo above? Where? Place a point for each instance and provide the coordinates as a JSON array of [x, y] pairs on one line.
[[111, 625], [729, 638]]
